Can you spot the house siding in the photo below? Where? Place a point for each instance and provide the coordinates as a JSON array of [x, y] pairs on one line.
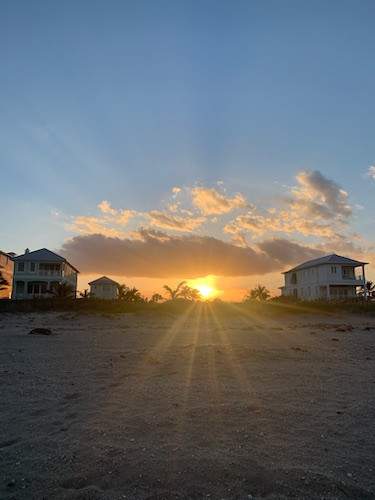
[[34, 278], [104, 291], [325, 281]]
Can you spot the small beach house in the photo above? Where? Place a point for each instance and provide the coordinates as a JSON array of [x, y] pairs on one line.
[[104, 288], [329, 278], [36, 273]]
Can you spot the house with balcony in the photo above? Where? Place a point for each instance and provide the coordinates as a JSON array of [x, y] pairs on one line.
[[327, 278], [104, 288], [6, 270], [36, 273]]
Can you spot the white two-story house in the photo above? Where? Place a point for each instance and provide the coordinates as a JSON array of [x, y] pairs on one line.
[[104, 288], [328, 278], [36, 273]]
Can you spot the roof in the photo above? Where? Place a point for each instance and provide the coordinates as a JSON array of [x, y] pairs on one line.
[[328, 259], [103, 281], [44, 255]]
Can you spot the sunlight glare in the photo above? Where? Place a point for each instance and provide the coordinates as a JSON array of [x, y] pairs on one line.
[[206, 287]]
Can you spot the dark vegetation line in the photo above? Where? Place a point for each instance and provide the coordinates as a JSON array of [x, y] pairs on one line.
[[275, 307]]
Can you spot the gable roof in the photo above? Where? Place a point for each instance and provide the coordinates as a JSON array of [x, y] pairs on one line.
[[44, 255], [103, 281], [328, 259]]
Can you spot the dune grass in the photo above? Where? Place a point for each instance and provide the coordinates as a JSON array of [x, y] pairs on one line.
[[273, 307]]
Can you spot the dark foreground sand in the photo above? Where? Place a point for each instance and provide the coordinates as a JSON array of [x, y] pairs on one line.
[[187, 407]]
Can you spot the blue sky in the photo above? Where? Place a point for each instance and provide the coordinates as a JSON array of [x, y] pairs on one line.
[[121, 101]]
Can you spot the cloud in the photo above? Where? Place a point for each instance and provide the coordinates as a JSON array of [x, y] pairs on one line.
[[155, 254], [211, 202], [288, 252], [371, 172], [123, 216], [173, 222], [111, 215], [317, 207], [92, 225], [105, 207], [320, 196]]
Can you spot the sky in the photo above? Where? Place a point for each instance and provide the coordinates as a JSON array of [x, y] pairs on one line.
[[159, 141]]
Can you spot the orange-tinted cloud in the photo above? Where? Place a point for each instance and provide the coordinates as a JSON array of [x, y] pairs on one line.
[[93, 225], [168, 220], [161, 255], [317, 207], [211, 202]]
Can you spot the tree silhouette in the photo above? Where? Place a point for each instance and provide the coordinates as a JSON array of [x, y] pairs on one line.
[[121, 291], [133, 295], [189, 293], [260, 293], [370, 289], [156, 297], [174, 293], [127, 294], [85, 294], [62, 291]]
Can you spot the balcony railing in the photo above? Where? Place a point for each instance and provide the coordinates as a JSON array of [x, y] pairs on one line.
[[352, 277], [42, 272]]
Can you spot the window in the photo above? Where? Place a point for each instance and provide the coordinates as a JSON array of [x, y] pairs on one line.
[[293, 279], [20, 286], [46, 268], [32, 267], [21, 267], [36, 288], [333, 269], [348, 273]]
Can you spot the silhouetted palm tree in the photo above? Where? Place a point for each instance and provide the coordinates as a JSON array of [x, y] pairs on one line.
[[156, 297], [176, 292], [260, 293], [62, 291], [370, 289], [122, 290]]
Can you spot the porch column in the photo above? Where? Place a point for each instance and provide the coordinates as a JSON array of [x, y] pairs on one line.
[[364, 282]]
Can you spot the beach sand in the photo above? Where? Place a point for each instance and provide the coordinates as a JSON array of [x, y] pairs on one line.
[[192, 406]]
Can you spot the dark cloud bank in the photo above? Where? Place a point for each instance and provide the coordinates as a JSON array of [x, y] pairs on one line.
[[157, 255]]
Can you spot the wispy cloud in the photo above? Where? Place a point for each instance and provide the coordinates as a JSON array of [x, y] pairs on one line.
[[93, 225], [210, 201], [174, 222], [316, 206], [371, 171]]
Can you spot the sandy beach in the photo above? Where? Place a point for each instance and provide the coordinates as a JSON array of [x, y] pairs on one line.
[[191, 406]]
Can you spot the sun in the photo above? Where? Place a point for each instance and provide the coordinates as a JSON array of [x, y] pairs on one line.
[[206, 287], [206, 291]]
